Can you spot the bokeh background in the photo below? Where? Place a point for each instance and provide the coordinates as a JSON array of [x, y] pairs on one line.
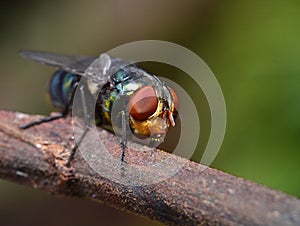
[[251, 46]]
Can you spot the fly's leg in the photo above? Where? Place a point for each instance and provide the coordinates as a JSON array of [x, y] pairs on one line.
[[124, 115], [50, 118], [47, 119], [86, 129], [74, 149], [123, 140], [124, 135]]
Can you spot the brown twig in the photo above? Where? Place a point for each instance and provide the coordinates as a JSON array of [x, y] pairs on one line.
[[37, 157]]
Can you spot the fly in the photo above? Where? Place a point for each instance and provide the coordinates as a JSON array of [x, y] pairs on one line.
[[149, 106]]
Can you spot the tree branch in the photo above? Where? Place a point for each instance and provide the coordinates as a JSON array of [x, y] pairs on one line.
[[37, 157]]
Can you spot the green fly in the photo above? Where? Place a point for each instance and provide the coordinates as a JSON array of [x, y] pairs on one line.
[[149, 105]]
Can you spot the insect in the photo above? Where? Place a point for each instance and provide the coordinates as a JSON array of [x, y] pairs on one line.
[[148, 104]]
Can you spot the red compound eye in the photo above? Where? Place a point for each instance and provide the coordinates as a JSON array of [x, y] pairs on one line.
[[175, 98], [143, 103]]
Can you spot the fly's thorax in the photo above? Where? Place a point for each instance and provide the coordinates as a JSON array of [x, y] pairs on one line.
[[110, 94]]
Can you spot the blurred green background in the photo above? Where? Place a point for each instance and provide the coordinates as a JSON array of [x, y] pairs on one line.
[[251, 46]]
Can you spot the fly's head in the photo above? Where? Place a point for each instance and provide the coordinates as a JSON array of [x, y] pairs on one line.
[[151, 114]]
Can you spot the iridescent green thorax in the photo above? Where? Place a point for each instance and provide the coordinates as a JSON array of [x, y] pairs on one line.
[[125, 81]]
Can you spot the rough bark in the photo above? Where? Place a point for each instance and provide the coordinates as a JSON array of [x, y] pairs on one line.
[[37, 157]]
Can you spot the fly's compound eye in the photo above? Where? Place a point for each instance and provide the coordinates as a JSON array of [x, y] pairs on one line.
[[143, 103], [175, 98]]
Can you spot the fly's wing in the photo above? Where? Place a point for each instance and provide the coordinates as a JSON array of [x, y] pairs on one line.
[[96, 69], [72, 64]]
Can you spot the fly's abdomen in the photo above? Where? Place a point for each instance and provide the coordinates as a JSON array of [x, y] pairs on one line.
[[61, 87]]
